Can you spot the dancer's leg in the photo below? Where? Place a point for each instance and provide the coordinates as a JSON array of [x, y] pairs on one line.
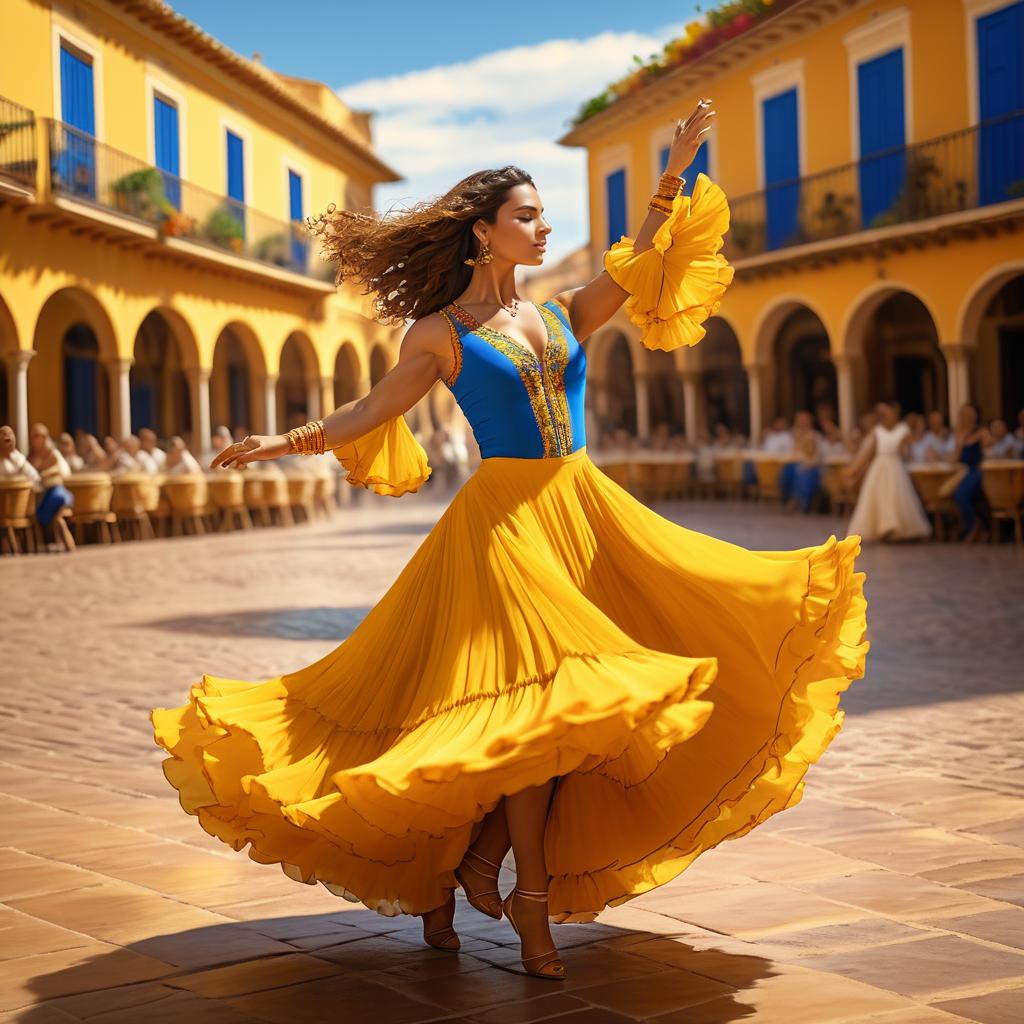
[[527, 812]]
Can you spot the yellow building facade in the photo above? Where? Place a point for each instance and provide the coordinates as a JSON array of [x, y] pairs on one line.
[[873, 155], [153, 268]]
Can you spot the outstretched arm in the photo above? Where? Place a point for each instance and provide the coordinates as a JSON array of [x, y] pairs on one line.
[[418, 368], [592, 305]]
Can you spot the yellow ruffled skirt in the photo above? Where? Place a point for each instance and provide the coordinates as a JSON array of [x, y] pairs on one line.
[[549, 625]]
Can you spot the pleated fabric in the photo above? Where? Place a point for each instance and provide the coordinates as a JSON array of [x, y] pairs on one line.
[[550, 625]]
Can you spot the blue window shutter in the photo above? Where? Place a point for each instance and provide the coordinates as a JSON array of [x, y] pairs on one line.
[[699, 166], [236, 167], [78, 107], [74, 163], [1000, 38], [166, 147], [880, 103], [615, 188], [781, 168], [299, 252]]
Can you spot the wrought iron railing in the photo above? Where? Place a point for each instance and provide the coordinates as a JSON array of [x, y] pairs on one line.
[[87, 170], [17, 143], [974, 167]]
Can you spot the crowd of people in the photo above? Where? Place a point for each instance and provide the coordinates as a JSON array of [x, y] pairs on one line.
[[886, 503], [811, 441]]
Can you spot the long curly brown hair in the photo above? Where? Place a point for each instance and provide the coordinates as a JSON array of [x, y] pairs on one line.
[[413, 260]]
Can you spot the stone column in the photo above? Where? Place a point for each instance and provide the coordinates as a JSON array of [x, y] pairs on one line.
[[270, 404], [120, 392], [957, 377], [327, 395], [643, 409], [313, 398], [754, 372], [691, 400], [844, 386], [199, 386], [17, 392]]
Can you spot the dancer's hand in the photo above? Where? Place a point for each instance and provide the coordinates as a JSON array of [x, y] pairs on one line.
[[252, 448], [689, 135]]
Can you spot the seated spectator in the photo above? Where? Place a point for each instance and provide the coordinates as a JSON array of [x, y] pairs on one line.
[[704, 466], [803, 429], [66, 446], [833, 444], [807, 472], [179, 459], [940, 442], [970, 440], [220, 439], [95, 459], [778, 438], [917, 447], [130, 458], [44, 467], [1002, 444], [148, 440]]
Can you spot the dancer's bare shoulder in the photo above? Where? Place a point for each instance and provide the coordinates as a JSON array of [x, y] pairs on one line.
[[431, 334]]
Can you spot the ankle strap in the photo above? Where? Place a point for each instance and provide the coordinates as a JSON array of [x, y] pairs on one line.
[[473, 853], [530, 894]]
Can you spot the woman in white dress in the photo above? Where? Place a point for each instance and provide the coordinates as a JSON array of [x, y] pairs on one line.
[[888, 507]]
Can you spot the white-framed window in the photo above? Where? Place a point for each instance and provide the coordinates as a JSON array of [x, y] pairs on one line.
[[772, 82], [614, 170]]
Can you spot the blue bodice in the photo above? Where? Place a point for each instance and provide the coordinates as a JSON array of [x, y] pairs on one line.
[[518, 406]]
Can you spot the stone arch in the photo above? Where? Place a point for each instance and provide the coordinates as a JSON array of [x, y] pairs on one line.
[[379, 363], [994, 344], [70, 384], [164, 352], [892, 337], [723, 395], [348, 372], [237, 398], [8, 354], [298, 382]]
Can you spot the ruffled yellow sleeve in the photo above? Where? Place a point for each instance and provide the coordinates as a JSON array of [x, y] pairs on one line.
[[679, 282], [387, 459]]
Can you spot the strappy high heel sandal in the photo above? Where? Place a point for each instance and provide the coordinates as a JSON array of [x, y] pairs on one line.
[[450, 941], [474, 897], [553, 967]]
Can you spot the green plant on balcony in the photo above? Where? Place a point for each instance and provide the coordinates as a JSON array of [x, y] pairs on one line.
[[1015, 189], [273, 249], [141, 194], [918, 198], [835, 216], [224, 228]]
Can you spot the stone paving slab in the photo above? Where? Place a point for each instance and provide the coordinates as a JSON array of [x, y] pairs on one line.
[[892, 894]]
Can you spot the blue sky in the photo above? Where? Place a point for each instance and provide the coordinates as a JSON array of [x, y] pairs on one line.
[[459, 86]]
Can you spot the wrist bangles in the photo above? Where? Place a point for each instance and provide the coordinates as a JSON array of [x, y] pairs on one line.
[[668, 188], [309, 439]]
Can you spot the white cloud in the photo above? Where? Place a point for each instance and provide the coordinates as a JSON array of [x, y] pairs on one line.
[[508, 107]]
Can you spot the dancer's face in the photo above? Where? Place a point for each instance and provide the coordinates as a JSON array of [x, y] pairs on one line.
[[520, 227]]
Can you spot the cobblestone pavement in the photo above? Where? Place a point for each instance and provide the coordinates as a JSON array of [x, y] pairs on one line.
[[894, 892]]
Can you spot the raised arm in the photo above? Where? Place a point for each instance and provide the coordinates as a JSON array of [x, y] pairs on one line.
[[592, 305], [421, 361]]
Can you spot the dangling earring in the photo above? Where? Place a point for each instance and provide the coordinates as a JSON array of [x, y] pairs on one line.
[[484, 256]]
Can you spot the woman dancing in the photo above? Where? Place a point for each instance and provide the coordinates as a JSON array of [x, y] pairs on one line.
[[557, 669]]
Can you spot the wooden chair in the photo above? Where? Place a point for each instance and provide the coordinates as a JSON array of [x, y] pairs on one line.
[[255, 497], [301, 497], [324, 495], [226, 489], [16, 507], [769, 469], [646, 480], [279, 509], [929, 478], [1003, 483], [135, 496], [729, 475], [186, 496], [92, 493]]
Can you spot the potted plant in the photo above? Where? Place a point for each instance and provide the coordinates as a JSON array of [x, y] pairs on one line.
[[140, 193], [224, 228], [273, 249]]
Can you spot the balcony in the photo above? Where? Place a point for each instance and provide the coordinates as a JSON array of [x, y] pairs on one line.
[[963, 171], [187, 219], [17, 149]]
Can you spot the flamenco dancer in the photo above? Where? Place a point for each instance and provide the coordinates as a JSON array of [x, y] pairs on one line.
[[558, 669]]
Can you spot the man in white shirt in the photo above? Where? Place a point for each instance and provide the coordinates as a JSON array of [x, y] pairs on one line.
[[148, 441], [1004, 445], [13, 462], [939, 442], [777, 440]]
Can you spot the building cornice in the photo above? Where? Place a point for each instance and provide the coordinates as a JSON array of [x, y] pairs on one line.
[[684, 81], [180, 31]]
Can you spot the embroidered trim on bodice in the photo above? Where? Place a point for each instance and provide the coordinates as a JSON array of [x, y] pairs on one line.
[[543, 379]]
